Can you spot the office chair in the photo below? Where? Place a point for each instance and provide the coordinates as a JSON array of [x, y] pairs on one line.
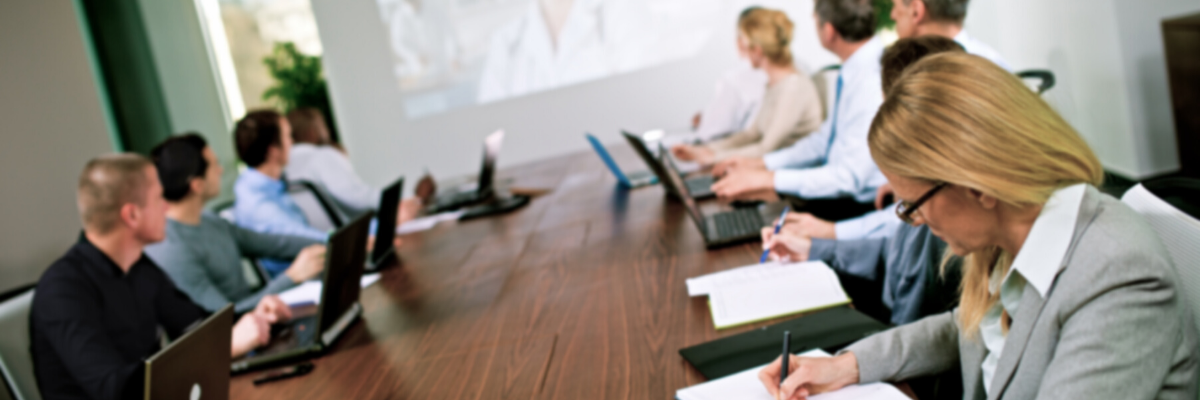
[[1170, 205], [825, 79], [317, 204], [1045, 76], [16, 354]]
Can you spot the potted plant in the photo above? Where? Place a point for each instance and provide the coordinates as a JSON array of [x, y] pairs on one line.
[[299, 82]]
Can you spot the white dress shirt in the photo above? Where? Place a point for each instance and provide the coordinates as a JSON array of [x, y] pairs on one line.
[[814, 169], [735, 103], [981, 49], [330, 168], [883, 223], [1035, 266]]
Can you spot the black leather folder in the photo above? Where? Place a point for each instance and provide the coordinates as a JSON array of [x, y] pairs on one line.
[[829, 330]]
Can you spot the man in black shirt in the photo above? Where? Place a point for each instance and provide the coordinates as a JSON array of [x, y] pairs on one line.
[[97, 309]]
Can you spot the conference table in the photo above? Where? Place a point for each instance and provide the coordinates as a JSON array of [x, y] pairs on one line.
[[578, 295]]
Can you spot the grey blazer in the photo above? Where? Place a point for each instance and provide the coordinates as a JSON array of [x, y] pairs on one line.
[[1112, 326]]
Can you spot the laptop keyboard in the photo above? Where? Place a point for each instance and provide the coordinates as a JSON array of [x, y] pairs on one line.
[[738, 223], [701, 186]]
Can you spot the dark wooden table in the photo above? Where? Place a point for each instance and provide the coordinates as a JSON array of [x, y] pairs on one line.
[[579, 295]]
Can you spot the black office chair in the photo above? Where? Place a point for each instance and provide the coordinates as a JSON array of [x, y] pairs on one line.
[[1045, 76]]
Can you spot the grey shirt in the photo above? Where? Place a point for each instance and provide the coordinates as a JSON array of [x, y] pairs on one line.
[[908, 264], [205, 261]]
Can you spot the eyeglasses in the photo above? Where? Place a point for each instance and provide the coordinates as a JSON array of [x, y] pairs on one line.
[[906, 209]]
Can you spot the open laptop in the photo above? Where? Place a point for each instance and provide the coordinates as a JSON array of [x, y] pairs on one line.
[[629, 181], [311, 333], [484, 189], [193, 366], [385, 231], [700, 187], [724, 228]]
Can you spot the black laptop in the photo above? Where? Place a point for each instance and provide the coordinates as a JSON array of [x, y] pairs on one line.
[[484, 189], [735, 226], [699, 186], [314, 328], [385, 230], [193, 366]]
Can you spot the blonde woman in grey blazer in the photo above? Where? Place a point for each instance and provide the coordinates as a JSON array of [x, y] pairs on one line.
[[1066, 292]]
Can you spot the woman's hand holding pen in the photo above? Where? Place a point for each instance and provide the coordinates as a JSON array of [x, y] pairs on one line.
[[809, 375]]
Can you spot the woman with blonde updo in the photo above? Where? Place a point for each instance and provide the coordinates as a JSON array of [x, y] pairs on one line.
[[791, 108], [1066, 292]]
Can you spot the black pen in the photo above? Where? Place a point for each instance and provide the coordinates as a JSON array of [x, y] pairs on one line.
[[783, 364]]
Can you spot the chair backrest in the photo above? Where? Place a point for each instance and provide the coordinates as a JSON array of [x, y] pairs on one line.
[[317, 205], [1044, 77], [825, 79], [1179, 232], [16, 355]]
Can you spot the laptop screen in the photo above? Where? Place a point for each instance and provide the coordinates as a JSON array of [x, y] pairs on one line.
[[344, 258], [389, 202], [491, 149], [197, 362], [608, 161], [684, 195]]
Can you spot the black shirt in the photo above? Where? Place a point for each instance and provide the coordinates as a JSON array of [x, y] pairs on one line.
[[92, 325]]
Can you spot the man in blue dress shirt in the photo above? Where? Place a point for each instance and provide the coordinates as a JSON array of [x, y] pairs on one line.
[[834, 162], [264, 139]]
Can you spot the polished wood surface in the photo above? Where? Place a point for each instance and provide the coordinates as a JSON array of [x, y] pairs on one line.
[[579, 295]]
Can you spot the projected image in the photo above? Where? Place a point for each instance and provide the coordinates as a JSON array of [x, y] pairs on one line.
[[448, 54]]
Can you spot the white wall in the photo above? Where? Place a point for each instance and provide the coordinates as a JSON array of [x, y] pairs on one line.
[[188, 78], [54, 122], [384, 144], [1108, 58]]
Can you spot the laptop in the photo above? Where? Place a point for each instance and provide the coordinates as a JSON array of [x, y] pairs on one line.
[[700, 187], [193, 366], [723, 228], [484, 189], [385, 231], [314, 328], [628, 181]]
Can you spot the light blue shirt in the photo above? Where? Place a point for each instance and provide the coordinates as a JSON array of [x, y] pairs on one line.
[[1035, 266], [883, 223], [263, 205], [813, 168]]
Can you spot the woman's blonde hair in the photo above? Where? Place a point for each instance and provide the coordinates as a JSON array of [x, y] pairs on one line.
[[769, 30], [960, 119]]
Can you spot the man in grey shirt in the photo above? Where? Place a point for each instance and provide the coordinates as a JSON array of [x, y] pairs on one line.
[[203, 253]]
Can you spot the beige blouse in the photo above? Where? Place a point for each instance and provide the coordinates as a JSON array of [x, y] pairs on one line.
[[791, 109]]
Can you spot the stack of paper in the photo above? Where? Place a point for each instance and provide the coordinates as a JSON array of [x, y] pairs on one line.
[[427, 222], [310, 291], [760, 292], [746, 385]]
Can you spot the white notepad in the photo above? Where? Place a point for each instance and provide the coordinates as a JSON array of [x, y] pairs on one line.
[[310, 291], [704, 284], [777, 292], [746, 385]]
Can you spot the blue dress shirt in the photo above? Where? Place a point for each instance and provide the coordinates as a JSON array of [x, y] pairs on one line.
[[834, 161], [883, 223], [263, 206]]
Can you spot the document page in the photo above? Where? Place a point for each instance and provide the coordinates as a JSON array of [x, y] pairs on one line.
[[799, 288], [746, 385], [310, 291], [703, 285]]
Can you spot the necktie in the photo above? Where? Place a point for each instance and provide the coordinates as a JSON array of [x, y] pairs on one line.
[[833, 119]]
